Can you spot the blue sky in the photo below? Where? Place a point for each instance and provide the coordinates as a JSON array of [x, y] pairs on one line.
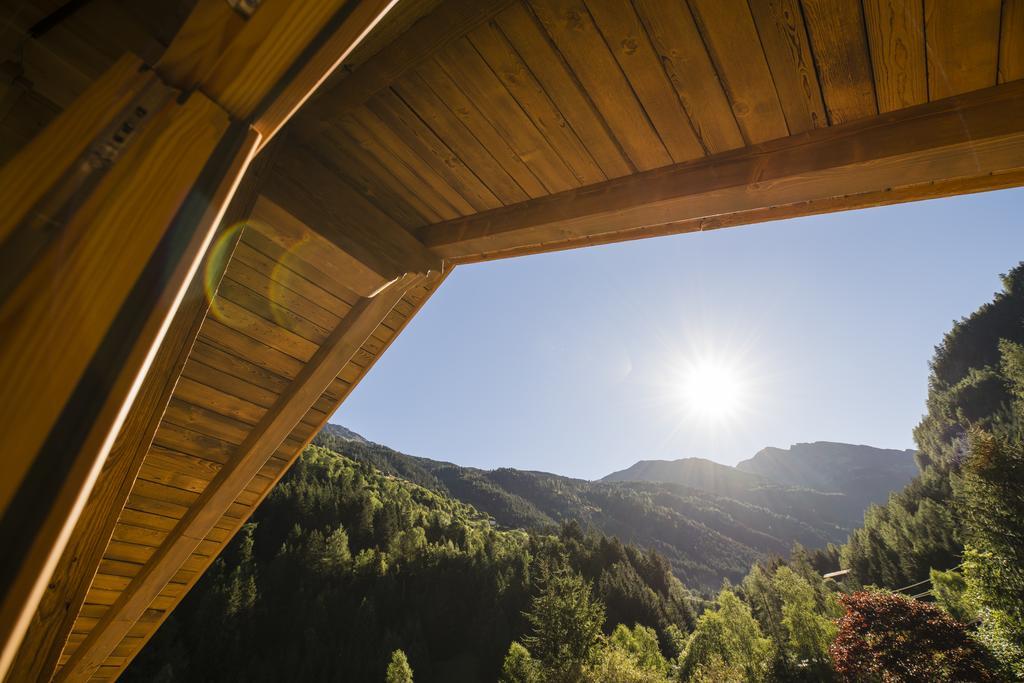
[[571, 362]]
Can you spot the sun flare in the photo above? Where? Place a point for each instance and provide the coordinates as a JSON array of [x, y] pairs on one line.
[[711, 390]]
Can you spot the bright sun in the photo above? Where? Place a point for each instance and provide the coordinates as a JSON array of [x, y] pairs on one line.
[[711, 390]]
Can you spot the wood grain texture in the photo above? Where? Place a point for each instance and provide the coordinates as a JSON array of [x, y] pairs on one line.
[[974, 140], [896, 37], [511, 70], [627, 38], [263, 50], [688, 66], [780, 24], [962, 45], [535, 48], [1011, 41], [451, 20], [25, 180], [836, 29], [731, 37], [446, 125], [199, 44], [465, 67], [368, 238], [483, 129], [581, 44]]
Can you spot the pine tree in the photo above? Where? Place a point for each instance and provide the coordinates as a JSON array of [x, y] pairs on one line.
[[566, 625], [398, 670]]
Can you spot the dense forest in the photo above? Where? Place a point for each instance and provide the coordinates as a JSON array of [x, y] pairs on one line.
[[366, 566]]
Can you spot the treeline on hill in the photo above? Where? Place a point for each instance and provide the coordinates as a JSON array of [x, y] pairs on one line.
[[706, 535], [342, 564]]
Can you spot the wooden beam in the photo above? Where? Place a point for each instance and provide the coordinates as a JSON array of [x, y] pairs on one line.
[[266, 437], [266, 67], [967, 143], [451, 20], [58, 609], [84, 305]]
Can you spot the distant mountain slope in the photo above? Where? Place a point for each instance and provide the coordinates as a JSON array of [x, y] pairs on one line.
[[712, 528], [864, 474]]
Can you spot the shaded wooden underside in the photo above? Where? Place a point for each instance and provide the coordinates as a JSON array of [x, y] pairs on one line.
[[489, 129]]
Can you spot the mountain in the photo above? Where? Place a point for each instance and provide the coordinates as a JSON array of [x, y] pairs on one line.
[[864, 474], [712, 523]]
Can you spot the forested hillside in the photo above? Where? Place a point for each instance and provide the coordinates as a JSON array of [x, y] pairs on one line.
[[707, 534], [343, 564]]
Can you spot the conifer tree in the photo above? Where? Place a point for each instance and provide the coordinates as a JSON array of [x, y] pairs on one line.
[[398, 670]]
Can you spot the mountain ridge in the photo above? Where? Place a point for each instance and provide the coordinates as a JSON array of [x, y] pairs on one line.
[[711, 528]]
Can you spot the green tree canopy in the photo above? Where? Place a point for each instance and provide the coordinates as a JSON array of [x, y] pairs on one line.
[[730, 633], [565, 623]]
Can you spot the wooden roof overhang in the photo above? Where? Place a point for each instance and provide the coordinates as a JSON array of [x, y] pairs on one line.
[[341, 158]]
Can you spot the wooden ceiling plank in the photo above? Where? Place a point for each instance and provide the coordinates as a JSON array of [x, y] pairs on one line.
[[962, 45], [394, 112], [1011, 41], [466, 110], [979, 136], [896, 38], [629, 44], [266, 331], [506, 63], [218, 401], [451, 20], [573, 32], [306, 195], [281, 275], [405, 157], [780, 24], [534, 47], [271, 311], [204, 421], [232, 341], [465, 67], [836, 29], [341, 265], [204, 353], [282, 296], [287, 263], [732, 40], [688, 66], [365, 172], [409, 170], [448, 127], [230, 482]]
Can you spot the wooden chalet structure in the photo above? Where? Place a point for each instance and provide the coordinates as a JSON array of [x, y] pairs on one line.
[[218, 214]]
